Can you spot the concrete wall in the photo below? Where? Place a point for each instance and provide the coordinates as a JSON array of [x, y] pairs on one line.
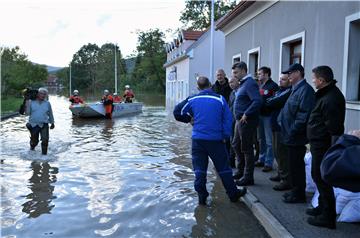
[[324, 27]]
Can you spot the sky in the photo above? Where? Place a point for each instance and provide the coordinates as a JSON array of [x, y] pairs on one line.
[[51, 31]]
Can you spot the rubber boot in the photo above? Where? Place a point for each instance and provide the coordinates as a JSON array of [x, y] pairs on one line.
[[44, 147]]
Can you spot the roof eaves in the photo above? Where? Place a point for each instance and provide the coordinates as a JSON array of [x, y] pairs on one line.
[[178, 59], [241, 7]]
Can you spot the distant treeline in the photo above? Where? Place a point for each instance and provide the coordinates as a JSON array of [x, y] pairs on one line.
[[18, 72], [93, 67]]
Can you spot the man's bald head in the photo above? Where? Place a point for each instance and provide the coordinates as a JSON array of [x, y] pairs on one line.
[[203, 83]]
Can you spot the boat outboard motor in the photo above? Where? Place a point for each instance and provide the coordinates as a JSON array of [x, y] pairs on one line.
[[28, 93]]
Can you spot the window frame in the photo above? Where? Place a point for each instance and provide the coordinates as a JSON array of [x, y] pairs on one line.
[[250, 52], [236, 56], [288, 40], [354, 105]]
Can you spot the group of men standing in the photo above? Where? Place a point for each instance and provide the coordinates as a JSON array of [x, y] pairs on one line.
[[282, 119]]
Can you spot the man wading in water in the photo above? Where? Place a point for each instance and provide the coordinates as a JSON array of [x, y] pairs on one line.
[[40, 114], [211, 119]]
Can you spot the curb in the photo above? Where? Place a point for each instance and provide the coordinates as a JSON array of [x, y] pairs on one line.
[[272, 226], [9, 115]]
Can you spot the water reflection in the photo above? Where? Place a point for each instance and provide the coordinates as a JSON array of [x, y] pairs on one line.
[[41, 189]]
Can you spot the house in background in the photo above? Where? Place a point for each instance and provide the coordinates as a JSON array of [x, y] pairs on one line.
[[188, 57], [52, 83], [279, 33]]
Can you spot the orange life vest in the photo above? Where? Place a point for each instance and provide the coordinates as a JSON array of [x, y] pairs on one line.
[[75, 99]]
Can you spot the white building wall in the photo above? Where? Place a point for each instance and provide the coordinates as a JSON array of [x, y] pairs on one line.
[[177, 87]]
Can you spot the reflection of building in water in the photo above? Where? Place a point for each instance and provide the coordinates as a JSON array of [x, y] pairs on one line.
[[41, 189]]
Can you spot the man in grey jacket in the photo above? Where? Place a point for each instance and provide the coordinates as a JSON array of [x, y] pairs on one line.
[[40, 115]]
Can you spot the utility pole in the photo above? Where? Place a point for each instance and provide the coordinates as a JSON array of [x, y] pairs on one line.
[[212, 42], [2, 49], [70, 79], [115, 71]]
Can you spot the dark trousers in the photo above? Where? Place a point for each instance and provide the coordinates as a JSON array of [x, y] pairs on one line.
[[326, 197], [216, 150], [232, 155], [243, 144], [34, 135], [281, 155], [296, 155]]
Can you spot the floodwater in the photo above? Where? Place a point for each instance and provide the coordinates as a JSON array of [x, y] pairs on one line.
[[126, 177]]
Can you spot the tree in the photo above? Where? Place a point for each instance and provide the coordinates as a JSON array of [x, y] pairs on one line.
[[196, 15], [93, 68], [106, 66], [83, 65], [18, 72], [149, 72]]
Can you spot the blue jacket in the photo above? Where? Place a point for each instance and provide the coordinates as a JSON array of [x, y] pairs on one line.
[[248, 100], [341, 164], [211, 115], [295, 114]]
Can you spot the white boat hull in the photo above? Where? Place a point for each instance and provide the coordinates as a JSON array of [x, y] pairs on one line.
[[97, 109]]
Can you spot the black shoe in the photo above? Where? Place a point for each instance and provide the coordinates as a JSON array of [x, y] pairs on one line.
[[314, 211], [294, 199], [287, 194], [282, 186], [241, 192], [322, 221], [32, 147], [244, 182], [238, 176], [202, 201], [259, 164], [275, 178], [267, 169]]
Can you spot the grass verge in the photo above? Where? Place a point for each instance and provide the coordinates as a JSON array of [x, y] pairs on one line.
[[10, 104]]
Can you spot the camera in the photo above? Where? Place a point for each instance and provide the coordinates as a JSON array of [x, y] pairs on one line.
[[30, 93]]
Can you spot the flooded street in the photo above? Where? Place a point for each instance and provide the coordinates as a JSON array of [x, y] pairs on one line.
[[126, 177]]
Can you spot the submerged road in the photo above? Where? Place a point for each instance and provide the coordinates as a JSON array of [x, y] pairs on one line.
[[126, 177]]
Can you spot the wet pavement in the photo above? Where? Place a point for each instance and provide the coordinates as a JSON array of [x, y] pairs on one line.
[[126, 177], [292, 216]]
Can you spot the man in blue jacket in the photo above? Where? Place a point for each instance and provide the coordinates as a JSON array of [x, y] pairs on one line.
[[211, 119], [293, 119], [247, 106]]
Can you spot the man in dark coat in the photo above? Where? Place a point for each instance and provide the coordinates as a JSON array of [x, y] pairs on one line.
[[275, 104], [341, 164], [326, 124], [293, 119], [221, 86]]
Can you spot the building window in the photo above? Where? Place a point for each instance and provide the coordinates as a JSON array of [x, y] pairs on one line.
[[253, 61], [236, 58], [351, 66], [292, 50], [295, 52]]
